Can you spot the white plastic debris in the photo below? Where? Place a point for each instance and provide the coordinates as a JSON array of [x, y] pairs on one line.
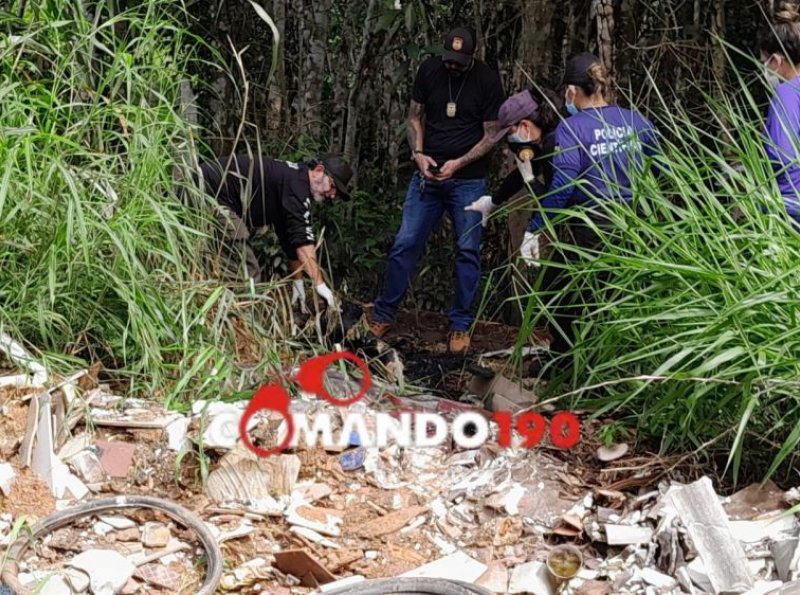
[[457, 566], [20, 356], [7, 478], [177, 439], [108, 570]]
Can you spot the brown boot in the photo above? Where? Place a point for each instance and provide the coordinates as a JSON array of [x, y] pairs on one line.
[[378, 328], [459, 341]]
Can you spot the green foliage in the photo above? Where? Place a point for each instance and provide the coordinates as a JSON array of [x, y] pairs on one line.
[[691, 331], [99, 259]]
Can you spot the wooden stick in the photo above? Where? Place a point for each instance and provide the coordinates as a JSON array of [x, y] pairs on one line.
[[165, 552]]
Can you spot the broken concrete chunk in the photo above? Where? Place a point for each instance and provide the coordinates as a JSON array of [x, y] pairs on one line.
[[243, 530], [456, 566], [222, 429], [767, 588], [177, 439], [699, 509], [531, 577], [628, 534], [7, 477], [243, 476], [155, 535], [88, 467], [65, 484], [127, 535], [507, 500], [776, 526], [786, 553], [101, 528], [54, 585], [317, 519], [77, 579], [311, 492], [500, 393], [73, 446], [118, 522], [495, 579], [108, 570], [657, 579]]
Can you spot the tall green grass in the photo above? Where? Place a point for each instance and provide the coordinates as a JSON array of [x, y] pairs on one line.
[[691, 334], [99, 260]]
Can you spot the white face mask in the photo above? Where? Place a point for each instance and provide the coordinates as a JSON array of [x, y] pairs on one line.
[[526, 169], [772, 77]]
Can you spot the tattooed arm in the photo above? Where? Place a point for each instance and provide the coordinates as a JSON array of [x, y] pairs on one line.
[[415, 132], [481, 148], [414, 127], [484, 145]]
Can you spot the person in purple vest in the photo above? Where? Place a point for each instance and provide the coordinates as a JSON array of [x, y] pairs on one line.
[[598, 147], [779, 44]]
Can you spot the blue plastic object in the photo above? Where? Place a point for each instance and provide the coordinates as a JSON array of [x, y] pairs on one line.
[[353, 459]]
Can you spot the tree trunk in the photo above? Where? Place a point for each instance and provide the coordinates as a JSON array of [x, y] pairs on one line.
[[317, 35], [535, 53], [276, 94], [352, 111], [604, 9]]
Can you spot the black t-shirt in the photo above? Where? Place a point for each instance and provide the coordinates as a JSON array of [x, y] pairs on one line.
[[263, 192], [478, 95], [542, 166]]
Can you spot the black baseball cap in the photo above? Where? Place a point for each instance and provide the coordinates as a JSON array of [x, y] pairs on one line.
[[459, 46], [340, 171], [577, 70]]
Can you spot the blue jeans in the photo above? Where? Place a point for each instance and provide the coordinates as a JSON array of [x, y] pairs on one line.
[[426, 202]]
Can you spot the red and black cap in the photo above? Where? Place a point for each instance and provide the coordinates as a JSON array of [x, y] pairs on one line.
[[459, 46]]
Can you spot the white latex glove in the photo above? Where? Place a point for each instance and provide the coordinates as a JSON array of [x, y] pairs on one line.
[[326, 294], [299, 295], [530, 249], [526, 169], [484, 206]]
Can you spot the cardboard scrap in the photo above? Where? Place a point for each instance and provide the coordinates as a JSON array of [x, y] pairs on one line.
[[305, 567]]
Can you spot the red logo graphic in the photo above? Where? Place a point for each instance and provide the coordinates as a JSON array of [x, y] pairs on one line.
[[564, 427], [311, 378]]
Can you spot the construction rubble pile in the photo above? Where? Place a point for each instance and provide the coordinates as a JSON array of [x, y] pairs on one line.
[[313, 520]]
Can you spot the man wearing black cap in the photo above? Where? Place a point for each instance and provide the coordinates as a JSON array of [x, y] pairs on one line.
[[255, 193], [451, 129]]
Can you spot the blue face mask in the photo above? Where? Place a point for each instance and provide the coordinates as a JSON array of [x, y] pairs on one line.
[[571, 108], [516, 138]]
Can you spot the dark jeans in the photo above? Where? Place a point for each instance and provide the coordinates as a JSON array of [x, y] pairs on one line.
[[567, 304], [425, 203]]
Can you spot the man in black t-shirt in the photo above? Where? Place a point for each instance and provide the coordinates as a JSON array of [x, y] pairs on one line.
[[451, 129], [255, 193]]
